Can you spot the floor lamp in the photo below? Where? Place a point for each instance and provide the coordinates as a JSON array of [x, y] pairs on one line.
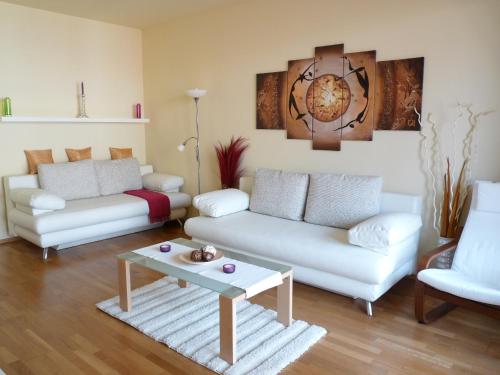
[[196, 94]]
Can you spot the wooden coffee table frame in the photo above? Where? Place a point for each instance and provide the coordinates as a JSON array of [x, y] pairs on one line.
[[227, 307]]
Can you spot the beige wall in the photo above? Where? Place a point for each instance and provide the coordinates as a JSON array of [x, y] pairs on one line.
[[43, 55], [223, 50]]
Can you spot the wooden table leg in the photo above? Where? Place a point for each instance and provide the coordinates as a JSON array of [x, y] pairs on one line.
[[285, 300], [227, 324], [124, 284], [183, 283]]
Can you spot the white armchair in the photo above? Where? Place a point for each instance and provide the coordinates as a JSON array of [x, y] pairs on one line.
[[474, 278]]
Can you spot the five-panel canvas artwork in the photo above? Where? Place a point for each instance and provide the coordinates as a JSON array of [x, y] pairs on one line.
[[339, 96]]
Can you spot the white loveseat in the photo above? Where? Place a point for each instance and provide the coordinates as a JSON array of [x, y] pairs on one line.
[[321, 256], [47, 220]]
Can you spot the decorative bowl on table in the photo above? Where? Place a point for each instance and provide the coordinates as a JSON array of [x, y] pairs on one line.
[[204, 255]]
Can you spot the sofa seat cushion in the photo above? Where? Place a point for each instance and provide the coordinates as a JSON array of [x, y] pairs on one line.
[[460, 285], [84, 212], [300, 243]]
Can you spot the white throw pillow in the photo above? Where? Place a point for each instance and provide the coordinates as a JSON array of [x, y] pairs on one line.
[[162, 182], [37, 199], [221, 202], [342, 201], [279, 194], [384, 230]]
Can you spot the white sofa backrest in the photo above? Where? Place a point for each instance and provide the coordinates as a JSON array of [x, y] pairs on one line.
[[391, 202], [478, 251], [31, 181]]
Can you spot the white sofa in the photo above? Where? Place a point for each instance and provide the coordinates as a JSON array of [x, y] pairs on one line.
[[49, 221], [321, 256]]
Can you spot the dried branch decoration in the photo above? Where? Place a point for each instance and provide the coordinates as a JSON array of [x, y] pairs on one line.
[[449, 205]]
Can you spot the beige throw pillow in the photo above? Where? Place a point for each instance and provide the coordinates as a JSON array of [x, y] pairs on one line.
[[120, 153], [79, 154], [36, 157]]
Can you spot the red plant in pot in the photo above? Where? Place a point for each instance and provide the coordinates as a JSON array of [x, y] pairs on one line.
[[229, 158]]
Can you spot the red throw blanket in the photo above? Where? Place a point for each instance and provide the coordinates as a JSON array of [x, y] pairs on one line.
[[159, 204]]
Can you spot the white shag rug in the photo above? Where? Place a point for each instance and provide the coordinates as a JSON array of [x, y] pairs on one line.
[[187, 321]]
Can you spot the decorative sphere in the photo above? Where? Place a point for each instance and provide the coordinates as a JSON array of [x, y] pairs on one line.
[[327, 92]]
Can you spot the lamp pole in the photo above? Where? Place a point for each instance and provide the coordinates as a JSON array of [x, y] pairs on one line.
[[196, 100], [196, 94]]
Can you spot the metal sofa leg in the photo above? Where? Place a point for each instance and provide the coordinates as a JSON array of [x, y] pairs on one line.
[[45, 253], [369, 309]]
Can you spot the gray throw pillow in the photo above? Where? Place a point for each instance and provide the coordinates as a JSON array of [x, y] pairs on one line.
[[117, 176], [280, 194], [75, 180], [342, 201]]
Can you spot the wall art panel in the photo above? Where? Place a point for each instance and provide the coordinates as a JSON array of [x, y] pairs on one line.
[[271, 100], [399, 93], [326, 96], [359, 74], [299, 121]]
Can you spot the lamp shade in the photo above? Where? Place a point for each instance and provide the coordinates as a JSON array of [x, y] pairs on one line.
[[196, 93], [181, 147]]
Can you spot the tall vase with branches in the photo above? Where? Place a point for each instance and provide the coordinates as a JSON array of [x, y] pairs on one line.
[[448, 196], [229, 158]]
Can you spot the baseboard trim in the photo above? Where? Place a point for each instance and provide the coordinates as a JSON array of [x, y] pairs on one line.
[[9, 240]]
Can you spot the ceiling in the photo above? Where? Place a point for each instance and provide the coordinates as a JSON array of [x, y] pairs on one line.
[[134, 13]]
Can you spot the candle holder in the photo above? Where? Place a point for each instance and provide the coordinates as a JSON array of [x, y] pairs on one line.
[[165, 248], [228, 268], [83, 111]]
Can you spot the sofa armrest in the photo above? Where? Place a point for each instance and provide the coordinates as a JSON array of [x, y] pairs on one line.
[[221, 202], [384, 230], [162, 182], [37, 199]]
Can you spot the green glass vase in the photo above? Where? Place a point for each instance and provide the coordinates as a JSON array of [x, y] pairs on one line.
[[7, 107]]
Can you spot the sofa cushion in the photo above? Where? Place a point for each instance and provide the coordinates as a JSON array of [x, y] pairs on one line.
[[162, 182], [342, 201], [72, 180], [280, 194], [117, 176], [37, 199], [300, 243], [380, 232], [221, 202], [460, 285]]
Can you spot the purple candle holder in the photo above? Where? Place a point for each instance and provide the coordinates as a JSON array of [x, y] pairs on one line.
[[165, 248], [228, 268]]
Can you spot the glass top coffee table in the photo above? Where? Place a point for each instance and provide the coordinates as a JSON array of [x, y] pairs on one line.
[[229, 294]]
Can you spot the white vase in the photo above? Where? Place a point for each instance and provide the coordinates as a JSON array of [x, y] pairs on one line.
[[445, 260]]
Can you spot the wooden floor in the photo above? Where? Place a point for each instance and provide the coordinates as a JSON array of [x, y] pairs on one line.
[[49, 323]]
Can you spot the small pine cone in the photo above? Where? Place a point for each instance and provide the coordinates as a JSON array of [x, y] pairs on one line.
[[196, 255]]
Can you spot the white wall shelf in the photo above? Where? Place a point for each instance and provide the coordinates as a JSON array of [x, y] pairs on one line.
[[67, 120]]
